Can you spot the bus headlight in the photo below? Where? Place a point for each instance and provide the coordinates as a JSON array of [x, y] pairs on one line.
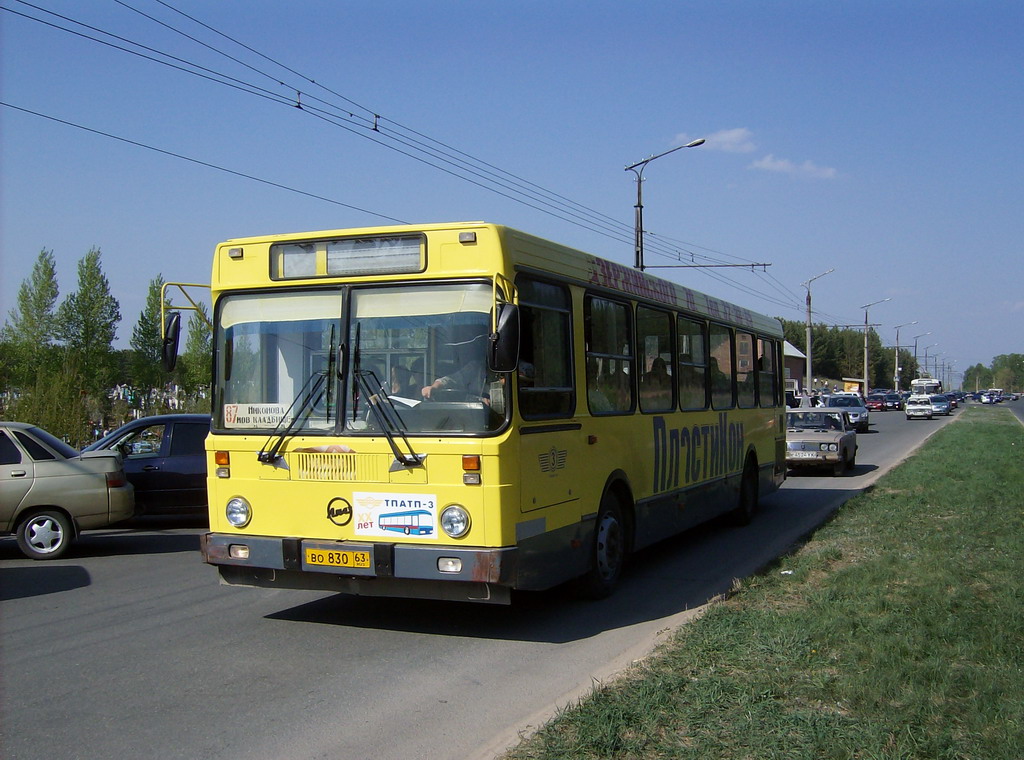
[[238, 512], [455, 521]]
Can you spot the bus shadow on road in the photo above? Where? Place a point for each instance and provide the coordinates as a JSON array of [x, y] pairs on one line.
[[679, 574]]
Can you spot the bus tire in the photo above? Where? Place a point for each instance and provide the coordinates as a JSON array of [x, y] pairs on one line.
[[608, 551], [746, 507]]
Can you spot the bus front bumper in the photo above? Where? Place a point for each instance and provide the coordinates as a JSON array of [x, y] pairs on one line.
[[374, 569]]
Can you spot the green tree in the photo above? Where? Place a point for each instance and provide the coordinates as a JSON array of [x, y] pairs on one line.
[[1008, 372], [146, 342], [87, 324], [29, 332], [196, 360]]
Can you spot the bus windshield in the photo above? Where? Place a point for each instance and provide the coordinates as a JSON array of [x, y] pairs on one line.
[[425, 346], [415, 361], [275, 356]]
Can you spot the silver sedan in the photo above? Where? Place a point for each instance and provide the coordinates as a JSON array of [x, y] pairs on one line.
[[49, 492]]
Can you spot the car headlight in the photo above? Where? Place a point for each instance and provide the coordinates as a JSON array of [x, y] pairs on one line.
[[238, 512], [455, 521]]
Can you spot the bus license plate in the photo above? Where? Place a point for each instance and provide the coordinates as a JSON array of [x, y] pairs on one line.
[[338, 558]]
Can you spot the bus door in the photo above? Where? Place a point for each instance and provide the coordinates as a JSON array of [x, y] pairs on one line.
[[552, 445]]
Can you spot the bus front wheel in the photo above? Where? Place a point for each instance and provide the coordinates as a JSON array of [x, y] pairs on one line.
[[608, 551]]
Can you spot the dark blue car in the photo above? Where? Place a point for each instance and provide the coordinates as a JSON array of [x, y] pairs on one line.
[[165, 459]]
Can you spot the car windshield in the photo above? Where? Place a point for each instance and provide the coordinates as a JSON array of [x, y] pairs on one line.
[[918, 402], [844, 401], [813, 421], [940, 400]]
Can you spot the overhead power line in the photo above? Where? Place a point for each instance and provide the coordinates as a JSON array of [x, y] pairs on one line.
[[357, 119], [207, 164]]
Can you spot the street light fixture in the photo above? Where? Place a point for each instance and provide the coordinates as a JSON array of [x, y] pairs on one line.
[[638, 170], [897, 369], [809, 378], [866, 365]]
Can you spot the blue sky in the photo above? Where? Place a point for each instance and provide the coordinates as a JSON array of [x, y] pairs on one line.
[[881, 139]]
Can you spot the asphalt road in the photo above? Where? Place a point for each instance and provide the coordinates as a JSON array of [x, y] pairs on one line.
[[128, 647]]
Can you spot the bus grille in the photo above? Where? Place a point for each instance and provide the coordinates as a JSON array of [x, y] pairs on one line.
[[369, 468]]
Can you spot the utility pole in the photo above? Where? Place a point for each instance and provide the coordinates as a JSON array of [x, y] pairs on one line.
[[810, 376], [867, 371]]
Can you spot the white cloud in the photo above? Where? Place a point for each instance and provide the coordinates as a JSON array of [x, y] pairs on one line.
[[807, 169], [737, 140]]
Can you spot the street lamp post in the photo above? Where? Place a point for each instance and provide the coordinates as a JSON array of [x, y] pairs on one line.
[[932, 345], [638, 170], [866, 365], [917, 367], [809, 378], [896, 371]]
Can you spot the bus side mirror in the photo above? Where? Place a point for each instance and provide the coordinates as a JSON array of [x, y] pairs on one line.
[[172, 334], [504, 355]]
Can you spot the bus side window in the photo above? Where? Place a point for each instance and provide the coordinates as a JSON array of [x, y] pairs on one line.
[[654, 337], [746, 377], [723, 368], [545, 374], [610, 365], [692, 341], [766, 375]]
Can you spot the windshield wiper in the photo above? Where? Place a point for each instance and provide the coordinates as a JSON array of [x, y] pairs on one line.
[[307, 402], [382, 408], [388, 418], [315, 384]]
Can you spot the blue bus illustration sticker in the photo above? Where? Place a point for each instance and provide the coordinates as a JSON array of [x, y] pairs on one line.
[[385, 514], [414, 522]]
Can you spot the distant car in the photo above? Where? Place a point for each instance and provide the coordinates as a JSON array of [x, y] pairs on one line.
[[875, 402], [893, 401], [953, 402], [820, 438], [854, 408], [49, 493], [165, 459], [919, 407], [940, 404]]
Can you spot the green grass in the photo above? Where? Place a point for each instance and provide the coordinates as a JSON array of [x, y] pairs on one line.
[[896, 631]]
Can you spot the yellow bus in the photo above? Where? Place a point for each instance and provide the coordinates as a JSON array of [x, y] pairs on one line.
[[454, 411]]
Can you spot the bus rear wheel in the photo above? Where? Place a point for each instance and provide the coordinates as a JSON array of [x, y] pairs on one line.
[[608, 551], [747, 504]]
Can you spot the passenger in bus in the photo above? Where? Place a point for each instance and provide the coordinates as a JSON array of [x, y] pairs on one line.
[[656, 387]]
